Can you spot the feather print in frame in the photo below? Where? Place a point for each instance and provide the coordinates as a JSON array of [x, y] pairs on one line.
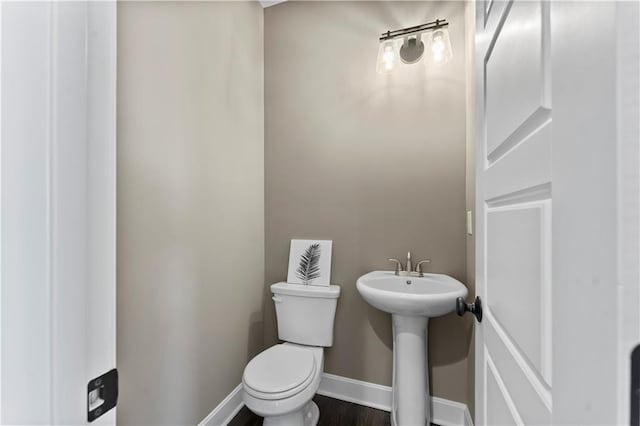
[[310, 262], [309, 266]]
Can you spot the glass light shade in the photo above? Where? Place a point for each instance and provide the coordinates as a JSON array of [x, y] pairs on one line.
[[440, 47], [388, 58]]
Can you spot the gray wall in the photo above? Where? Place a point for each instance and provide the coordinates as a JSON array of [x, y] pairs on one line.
[[190, 205], [375, 163]]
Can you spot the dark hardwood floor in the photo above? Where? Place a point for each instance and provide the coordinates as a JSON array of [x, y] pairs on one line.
[[333, 412]]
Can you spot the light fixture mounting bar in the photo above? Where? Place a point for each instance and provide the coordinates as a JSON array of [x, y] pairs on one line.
[[429, 26]]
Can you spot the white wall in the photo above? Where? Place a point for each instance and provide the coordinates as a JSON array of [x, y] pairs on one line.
[[25, 226], [58, 208]]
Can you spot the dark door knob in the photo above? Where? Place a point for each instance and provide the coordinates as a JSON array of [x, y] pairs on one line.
[[635, 387], [475, 308]]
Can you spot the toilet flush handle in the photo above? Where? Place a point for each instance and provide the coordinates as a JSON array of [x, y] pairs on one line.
[[276, 299]]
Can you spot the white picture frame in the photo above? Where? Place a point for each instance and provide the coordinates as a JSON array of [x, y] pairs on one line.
[[318, 268]]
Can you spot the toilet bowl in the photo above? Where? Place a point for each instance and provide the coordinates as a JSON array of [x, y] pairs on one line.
[[280, 382]]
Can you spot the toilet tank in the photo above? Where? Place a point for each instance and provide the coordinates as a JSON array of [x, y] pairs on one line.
[[305, 313]]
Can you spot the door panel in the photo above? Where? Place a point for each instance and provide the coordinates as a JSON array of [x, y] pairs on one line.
[[557, 150], [500, 408], [516, 262], [527, 389], [528, 166], [514, 191], [515, 76], [585, 216]]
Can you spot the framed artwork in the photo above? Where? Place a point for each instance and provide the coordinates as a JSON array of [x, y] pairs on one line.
[[310, 262]]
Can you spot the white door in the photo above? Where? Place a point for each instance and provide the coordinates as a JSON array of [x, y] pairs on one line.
[[57, 196], [554, 174]]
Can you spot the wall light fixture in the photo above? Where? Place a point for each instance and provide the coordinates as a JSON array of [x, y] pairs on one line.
[[407, 45]]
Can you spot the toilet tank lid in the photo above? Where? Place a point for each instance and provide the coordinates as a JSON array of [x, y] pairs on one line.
[[331, 292]]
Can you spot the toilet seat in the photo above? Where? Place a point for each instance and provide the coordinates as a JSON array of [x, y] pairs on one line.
[[279, 372]]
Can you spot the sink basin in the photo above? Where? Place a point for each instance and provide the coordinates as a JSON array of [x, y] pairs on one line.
[[411, 301], [431, 296]]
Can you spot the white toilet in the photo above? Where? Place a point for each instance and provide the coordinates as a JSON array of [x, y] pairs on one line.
[[279, 383]]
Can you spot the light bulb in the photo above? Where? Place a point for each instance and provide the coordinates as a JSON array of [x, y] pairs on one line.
[[441, 47], [438, 42], [387, 57], [437, 47]]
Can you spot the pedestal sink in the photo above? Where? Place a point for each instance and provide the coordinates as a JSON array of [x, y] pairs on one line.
[[411, 301]]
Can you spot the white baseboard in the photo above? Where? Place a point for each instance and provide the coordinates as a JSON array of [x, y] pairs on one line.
[[356, 391], [226, 410], [449, 413], [444, 412]]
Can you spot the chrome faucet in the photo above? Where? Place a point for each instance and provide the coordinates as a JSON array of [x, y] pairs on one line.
[[409, 268]]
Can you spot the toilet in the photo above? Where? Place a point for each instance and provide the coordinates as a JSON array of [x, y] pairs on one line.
[[279, 383]]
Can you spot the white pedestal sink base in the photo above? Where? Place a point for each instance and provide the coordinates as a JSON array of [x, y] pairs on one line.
[[411, 301], [410, 375]]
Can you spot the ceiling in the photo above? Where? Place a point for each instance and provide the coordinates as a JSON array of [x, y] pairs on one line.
[[267, 3]]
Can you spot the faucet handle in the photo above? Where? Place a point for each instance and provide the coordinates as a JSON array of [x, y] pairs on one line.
[[419, 266], [398, 265]]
